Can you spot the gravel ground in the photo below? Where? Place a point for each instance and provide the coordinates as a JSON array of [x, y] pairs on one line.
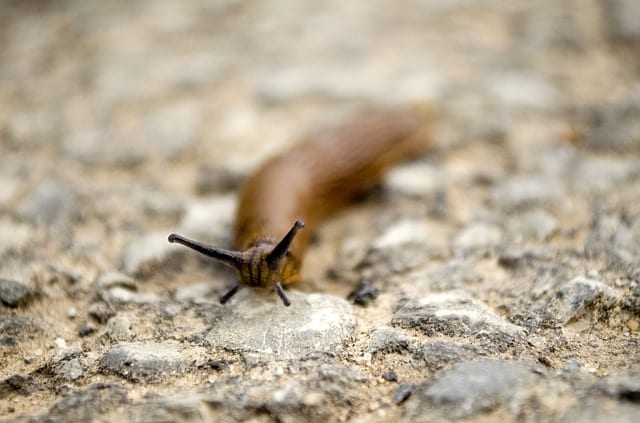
[[495, 279]]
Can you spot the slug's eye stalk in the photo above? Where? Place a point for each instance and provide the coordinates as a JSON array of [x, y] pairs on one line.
[[257, 269]]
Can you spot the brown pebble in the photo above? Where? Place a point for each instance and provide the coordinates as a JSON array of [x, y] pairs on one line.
[[633, 325]]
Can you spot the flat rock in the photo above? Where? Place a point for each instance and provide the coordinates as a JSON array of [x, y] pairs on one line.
[[452, 314], [86, 404], [469, 389], [580, 293], [210, 219], [263, 329], [143, 361]]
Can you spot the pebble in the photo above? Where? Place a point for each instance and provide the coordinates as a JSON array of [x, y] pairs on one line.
[[527, 191], [386, 339], [14, 293], [419, 180], [633, 325], [575, 296], [147, 362], [51, 203], [471, 388], [72, 369], [101, 311], [402, 393], [145, 252], [209, 219], [438, 353], [364, 293], [477, 236]]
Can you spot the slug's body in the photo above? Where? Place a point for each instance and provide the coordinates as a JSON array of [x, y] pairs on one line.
[[311, 180]]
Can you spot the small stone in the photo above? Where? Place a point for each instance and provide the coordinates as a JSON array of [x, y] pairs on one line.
[[477, 236], [124, 295], [363, 294], [101, 311], [60, 343], [390, 376], [522, 192], [86, 331], [143, 362], [72, 313], [145, 252], [210, 219], [403, 393], [14, 293], [438, 353], [633, 325], [385, 339], [197, 293], [111, 279], [71, 370], [417, 179], [624, 386], [576, 295], [118, 329], [51, 203]]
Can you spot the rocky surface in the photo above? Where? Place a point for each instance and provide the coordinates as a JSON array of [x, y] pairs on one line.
[[495, 279]]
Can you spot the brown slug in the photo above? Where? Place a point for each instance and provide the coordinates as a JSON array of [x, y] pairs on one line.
[[306, 183]]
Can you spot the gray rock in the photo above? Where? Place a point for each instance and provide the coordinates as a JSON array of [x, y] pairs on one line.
[[527, 191], [451, 314], [87, 404], [111, 279], [454, 274], [580, 293], [71, 370], [535, 225], [599, 410], [622, 18], [146, 362], [52, 203], [124, 295], [438, 353], [385, 339], [143, 254], [197, 293], [118, 330], [263, 329], [403, 392], [14, 293], [420, 180], [469, 389], [479, 236], [101, 311], [210, 219], [21, 327], [623, 386]]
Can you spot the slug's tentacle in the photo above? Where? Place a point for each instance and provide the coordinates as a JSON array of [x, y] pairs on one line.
[[230, 293], [228, 257], [259, 267]]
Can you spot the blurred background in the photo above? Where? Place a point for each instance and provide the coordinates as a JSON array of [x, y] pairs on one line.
[[112, 113]]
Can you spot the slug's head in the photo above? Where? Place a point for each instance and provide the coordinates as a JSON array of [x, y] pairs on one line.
[[259, 267]]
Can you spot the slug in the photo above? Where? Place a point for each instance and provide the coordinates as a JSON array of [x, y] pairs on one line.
[[311, 180]]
